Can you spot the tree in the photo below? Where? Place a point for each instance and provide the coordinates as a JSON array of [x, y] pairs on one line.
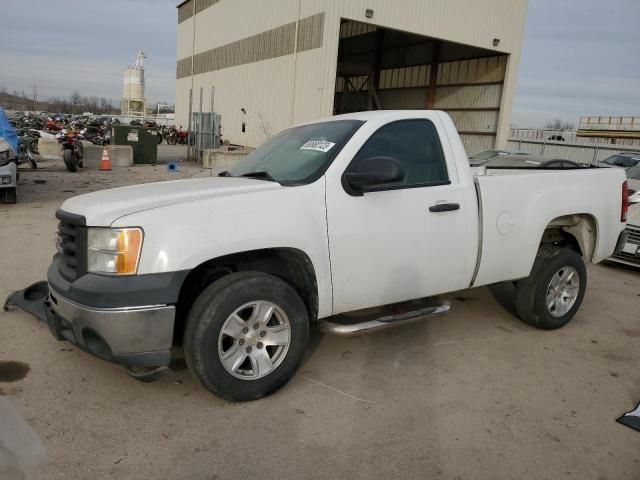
[[75, 99], [558, 124], [264, 127]]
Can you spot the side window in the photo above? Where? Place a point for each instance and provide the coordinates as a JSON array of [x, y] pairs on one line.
[[415, 144]]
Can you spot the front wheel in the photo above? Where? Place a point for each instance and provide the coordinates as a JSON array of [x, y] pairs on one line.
[[9, 195], [69, 158], [246, 335], [553, 292]]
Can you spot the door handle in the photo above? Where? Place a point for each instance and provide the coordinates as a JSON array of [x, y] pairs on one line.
[[444, 207]]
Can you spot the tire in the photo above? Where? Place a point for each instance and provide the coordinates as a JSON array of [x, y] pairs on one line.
[[10, 195], [33, 146], [536, 302], [205, 345], [159, 135], [32, 162], [172, 139], [69, 158]]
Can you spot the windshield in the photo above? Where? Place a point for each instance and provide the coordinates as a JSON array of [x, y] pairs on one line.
[[300, 154], [634, 173], [622, 161]]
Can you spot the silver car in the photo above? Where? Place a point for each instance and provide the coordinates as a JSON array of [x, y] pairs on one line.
[[483, 157], [633, 179], [630, 252], [8, 175]]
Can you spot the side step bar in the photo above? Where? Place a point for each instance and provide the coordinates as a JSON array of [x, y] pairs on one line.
[[348, 325]]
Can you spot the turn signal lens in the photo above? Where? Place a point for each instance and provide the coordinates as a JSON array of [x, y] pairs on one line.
[[128, 246]]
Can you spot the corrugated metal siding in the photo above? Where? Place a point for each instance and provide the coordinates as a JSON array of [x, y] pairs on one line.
[[183, 68], [273, 43], [475, 143], [470, 91], [472, 96], [202, 4], [353, 29], [185, 11], [476, 70], [310, 32], [263, 46], [406, 77], [477, 122], [265, 89], [470, 22]]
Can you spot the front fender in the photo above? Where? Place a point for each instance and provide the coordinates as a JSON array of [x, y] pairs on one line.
[[183, 236]]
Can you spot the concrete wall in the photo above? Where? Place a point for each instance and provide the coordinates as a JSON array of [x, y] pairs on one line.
[[219, 161], [120, 155], [279, 92]]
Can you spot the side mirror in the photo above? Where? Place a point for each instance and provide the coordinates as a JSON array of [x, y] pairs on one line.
[[374, 172]]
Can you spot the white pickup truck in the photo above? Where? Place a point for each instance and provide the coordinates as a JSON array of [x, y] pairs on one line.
[[354, 223]]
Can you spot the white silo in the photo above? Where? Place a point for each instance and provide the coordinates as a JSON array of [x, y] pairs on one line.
[[133, 102]]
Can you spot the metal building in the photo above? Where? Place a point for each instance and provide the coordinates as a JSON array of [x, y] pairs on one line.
[[280, 62]]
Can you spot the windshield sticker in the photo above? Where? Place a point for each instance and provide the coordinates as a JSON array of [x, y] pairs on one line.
[[318, 145]]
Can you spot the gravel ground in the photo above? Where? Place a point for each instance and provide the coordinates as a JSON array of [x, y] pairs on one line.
[[472, 395]]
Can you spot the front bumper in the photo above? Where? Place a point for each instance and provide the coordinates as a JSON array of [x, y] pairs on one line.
[[138, 336], [9, 172]]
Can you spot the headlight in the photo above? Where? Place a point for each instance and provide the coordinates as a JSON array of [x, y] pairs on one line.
[[114, 251]]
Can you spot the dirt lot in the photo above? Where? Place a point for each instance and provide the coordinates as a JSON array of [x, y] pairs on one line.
[[472, 395]]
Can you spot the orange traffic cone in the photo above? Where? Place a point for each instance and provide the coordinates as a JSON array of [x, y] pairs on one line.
[[105, 163]]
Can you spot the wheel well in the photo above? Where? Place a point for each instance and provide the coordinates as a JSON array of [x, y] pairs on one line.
[[289, 264], [577, 232]]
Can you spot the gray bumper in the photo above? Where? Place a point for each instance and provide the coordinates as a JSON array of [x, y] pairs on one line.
[[9, 171], [133, 336]]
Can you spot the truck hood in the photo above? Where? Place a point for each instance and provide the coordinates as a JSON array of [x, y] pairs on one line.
[[102, 208]]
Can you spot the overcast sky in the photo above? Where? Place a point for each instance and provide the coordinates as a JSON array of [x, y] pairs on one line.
[[579, 57]]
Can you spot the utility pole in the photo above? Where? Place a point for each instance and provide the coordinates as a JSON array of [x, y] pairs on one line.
[[35, 96]]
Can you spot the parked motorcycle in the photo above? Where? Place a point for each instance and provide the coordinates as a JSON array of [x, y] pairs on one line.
[[176, 136], [71, 150]]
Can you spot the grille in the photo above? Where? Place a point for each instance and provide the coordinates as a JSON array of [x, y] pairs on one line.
[[71, 242], [634, 239]]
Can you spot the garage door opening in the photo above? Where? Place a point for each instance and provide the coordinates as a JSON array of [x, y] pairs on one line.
[[384, 69]]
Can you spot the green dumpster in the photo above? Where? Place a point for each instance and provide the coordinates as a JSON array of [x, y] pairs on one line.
[[143, 142]]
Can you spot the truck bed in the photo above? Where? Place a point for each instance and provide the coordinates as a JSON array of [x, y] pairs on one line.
[[513, 203]]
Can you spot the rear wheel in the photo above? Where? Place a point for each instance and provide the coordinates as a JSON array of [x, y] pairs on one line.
[[553, 292], [69, 158], [246, 335]]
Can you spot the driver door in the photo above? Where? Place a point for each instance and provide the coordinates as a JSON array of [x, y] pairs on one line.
[[393, 244]]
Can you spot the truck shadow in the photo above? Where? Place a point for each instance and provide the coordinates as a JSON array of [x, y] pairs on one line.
[[505, 295]]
